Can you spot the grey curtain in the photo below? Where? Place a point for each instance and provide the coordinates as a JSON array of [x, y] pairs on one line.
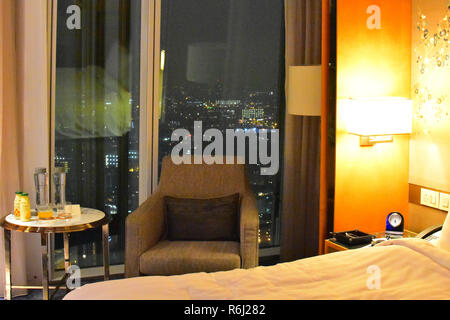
[[301, 185]]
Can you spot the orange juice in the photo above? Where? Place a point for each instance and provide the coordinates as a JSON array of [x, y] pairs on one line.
[[45, 214]]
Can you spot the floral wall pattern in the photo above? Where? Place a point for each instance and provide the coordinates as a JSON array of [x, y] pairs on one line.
[[432, 62], [430, 141]]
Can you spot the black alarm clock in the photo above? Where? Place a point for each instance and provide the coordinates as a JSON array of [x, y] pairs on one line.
[[395, 224]]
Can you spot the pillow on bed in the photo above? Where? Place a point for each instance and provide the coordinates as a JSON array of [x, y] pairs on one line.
[[202, 219], [444, 241]]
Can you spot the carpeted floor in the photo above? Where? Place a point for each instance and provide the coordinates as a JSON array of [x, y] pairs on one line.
[[37, 294]]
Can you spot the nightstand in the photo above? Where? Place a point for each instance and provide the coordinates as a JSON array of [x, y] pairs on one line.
[[331, 245]]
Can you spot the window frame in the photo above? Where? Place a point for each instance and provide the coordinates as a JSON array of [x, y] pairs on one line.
[[155, 91], [149, 112], [150, 17]]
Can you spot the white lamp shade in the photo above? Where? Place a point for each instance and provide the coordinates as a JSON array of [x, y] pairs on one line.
[[378, 116], [305, 90]]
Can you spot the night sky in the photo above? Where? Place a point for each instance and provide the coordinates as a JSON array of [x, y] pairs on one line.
[[251, 30]]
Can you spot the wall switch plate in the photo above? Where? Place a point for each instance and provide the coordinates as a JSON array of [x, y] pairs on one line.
[[444, 201], [429, 198]]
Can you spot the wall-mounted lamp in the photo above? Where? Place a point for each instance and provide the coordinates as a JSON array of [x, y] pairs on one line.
[[305, 90], [377, 120]]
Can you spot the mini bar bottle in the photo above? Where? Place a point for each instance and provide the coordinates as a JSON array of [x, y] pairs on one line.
[[17, 200], [25, 210]]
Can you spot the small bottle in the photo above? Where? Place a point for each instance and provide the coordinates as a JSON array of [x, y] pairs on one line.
[[25, 209], [17, 201]]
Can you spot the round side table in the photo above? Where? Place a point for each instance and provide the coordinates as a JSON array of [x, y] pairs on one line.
[[89, 219]]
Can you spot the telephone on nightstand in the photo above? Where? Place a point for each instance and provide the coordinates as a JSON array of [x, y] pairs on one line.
[[431, 234]]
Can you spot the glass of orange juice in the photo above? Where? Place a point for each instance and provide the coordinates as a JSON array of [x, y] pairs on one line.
[[45, 212]]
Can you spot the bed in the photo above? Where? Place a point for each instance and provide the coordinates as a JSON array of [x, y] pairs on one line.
[[396, 269]]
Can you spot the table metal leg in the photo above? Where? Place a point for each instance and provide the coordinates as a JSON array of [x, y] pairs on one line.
[[63, 281], [105, 230], [8, 284], [66, 252], [44, 248]]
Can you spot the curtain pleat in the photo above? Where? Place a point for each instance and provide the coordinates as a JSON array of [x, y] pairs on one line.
[[10, 140], [301, 185]]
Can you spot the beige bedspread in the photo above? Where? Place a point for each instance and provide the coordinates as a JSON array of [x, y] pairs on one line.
[[399, 269]]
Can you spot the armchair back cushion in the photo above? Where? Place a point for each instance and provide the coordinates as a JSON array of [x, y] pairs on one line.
[[215, 219]]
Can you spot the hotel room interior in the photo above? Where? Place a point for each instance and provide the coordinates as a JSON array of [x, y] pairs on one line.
[[224, 149]]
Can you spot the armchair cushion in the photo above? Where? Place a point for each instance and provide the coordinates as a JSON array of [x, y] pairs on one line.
[[180, 257], [202, 219]]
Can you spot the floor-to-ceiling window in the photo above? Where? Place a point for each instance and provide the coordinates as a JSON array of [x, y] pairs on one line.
[[222, 63], [96, 116]]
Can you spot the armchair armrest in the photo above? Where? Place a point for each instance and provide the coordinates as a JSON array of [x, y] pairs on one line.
[[143, 229], [249, 231]]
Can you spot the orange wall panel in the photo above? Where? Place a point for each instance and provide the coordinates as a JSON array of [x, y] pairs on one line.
[[374, 62], [371, 182]]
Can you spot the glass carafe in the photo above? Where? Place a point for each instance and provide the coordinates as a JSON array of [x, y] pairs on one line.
[[59, 183], [41, 182], [59, 194], [41, 186]]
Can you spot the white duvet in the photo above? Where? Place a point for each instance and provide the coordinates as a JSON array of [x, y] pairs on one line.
[[399, 269]]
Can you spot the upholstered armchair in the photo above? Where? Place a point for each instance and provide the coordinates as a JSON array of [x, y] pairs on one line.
[[147, 250]]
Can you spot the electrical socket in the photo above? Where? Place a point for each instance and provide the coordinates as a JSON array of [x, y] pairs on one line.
[[444, 201], [429, 198]]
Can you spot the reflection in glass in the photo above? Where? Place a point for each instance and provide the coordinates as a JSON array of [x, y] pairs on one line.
[[96, 114]]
